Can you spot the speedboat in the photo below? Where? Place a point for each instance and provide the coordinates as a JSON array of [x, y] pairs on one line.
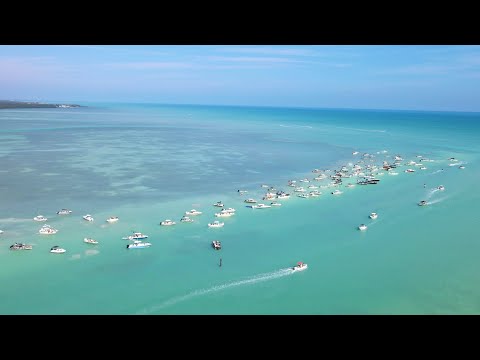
[[312, 187], [299, 267], [355, 153], [224, 214], [274, 203], [409, 171], [315, 193], [305, 180], [90, 241], [137, 244], [373, 215], [1, 231], [64, 212], [47, 230], [229, 210], [216, 244], [299, 189], [423, 168], [350, 185], [88, 217], [362, 227], [302, 195], [193, 212], [250, 201], [283, 196], [336, 192], [441, 187], [218, 204], [167, 222], [136, 236], [265, 186], [216, 224], [422, 203], [112, 219], [19, 246], [57, 250], [186, 219], [40, 218], [461, 167], [261, 206], [241, 192]]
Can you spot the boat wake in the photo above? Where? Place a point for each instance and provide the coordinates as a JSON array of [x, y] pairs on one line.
[[437, 200], [251, 280], [14, 220], [367, 130], [297, 126]]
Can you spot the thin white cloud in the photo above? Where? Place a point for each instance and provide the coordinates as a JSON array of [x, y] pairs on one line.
[[253, 59]]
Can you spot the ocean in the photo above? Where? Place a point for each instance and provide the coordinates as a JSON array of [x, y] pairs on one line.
[[146, 163]]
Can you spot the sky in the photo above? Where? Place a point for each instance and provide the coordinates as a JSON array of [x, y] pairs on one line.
[[413, 77]]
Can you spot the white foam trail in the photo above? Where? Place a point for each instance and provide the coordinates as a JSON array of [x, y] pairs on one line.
[[91, 252], [437, 201], [251, 280], [15, 220], [297, 126], [367, 130], [75, 257]]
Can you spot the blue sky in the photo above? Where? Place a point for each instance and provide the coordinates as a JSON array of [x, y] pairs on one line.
[[420, 77]]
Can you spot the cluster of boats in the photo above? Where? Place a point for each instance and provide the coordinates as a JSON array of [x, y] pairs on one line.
[[366, 174]]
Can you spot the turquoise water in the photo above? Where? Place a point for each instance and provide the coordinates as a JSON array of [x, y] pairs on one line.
[[147, 163]]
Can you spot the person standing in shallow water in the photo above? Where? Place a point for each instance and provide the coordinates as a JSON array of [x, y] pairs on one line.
[[220, 262]]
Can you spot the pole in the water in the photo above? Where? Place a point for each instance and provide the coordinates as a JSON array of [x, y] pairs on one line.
[[220, 262]]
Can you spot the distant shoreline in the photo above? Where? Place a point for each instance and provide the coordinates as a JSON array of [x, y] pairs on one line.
[[8, 104]]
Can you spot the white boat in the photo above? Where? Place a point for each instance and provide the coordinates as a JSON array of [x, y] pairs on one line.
[[355, 153], [299, 267], [216, 224], [274, 203], [19, 246], [64, 212], [112, 219], [261, 206], [350, 185], [314, 193], [229, 210], [392, 173], [193, 212], [362, 227], [441, 188], [57, 250], [299, 189], [218, 204], [40, 218], [216, 244], [168, 222], [224, 214], [250, 201], [336, 192], [409, 171], [136, 236], [452, 164], [283, 196], [305, 180], [422, 203], [1, 231], [88, 217], [423, 168], [90, 241], [312, 187], [373, 215], [47, 230], [186, 219], [461, 167], [303, 195], [137, 244]]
